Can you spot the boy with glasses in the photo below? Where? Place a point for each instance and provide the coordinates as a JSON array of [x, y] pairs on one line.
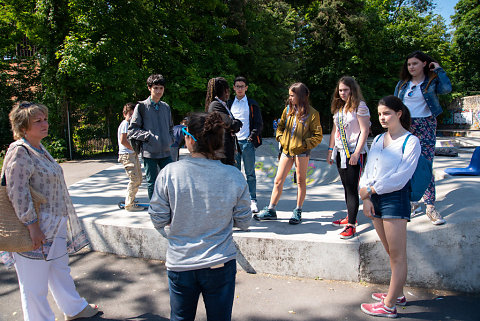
[[249, 137]]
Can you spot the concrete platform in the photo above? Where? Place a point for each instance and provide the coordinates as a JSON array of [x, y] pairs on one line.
[[440, 257]]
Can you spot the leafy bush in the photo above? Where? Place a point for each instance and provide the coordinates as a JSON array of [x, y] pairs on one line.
[[57, 147], [2, 156]]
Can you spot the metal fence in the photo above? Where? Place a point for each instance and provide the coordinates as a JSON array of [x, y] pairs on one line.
[[96, 146]]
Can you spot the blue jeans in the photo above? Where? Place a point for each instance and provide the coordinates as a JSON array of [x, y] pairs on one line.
[[216, 285], [248, 156], [152, 167]]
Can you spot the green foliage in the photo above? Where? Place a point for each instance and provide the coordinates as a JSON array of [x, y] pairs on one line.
[[91, 139], [57, 147], [266, 58], [326, 44], [93, 56], [467, 46], [368, 40], [2, 156], [394, 30], [18, 77]]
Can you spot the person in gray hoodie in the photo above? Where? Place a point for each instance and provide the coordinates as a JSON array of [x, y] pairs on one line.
[[152, 125], [201, 212]]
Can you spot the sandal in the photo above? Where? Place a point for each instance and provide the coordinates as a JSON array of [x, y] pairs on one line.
[[89, 311]]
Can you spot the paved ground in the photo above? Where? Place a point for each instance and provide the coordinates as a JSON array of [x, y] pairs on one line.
[[137, 289]]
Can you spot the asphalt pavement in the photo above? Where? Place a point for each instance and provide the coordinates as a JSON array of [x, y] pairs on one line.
[[137, 289]]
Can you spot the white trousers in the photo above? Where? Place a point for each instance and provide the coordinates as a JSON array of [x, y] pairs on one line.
[[35, 277]]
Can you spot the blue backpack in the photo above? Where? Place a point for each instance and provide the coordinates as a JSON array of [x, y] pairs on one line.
[[422, 176]]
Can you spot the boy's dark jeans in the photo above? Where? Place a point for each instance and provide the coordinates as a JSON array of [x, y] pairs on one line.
[[153, 166]]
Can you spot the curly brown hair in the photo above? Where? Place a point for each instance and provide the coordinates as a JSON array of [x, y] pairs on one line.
[[216, 87], [208, 130]]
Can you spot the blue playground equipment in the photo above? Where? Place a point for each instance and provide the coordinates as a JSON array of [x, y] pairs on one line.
[[472, 170]]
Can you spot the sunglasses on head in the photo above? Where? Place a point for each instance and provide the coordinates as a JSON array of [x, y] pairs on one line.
[[25, 104], [184, 130]]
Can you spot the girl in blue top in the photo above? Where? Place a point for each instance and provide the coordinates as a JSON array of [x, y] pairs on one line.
[[421, 81]]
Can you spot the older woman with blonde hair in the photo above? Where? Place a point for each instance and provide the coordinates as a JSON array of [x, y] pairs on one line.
[[55, 230]]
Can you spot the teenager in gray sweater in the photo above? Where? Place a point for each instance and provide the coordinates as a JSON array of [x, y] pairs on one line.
[[202, 200], [152, 124]]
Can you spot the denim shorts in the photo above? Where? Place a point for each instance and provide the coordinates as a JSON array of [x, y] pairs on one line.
[[393, 205], [304, 154]]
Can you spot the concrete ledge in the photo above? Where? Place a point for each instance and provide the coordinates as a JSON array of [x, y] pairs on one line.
[[441, 257]]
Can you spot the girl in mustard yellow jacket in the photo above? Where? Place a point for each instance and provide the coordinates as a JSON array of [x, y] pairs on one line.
[[298, 131]]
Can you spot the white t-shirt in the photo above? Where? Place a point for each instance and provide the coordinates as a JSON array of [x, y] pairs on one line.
[[351, 125], [240, 110], [123, 129], [415, 101], [388, 169]]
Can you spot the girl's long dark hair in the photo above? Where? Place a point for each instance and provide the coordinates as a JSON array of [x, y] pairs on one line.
[[303, 94], [355, 96], [423, 57], [208, 129], [395, 104], [216, 87]]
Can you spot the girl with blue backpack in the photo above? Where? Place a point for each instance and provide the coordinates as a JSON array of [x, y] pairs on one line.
[[385, 191]]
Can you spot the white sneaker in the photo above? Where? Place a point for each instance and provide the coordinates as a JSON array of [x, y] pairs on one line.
[[434, 216], [135, 208], [253, 206]]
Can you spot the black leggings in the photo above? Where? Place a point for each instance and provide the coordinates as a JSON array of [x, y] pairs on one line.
[[350, 177]]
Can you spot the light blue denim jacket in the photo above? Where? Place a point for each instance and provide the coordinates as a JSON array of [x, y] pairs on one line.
[[438, 84]]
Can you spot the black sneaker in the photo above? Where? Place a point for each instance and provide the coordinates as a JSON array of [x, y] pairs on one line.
[[296, 217], [266, 214]]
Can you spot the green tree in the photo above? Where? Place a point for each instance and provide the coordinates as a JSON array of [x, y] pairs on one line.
[[466, 46], [368, 40], [93, 56], [101, 67], [18, 69], [264, 51], [326, 46], [395, 29], [107, 66]]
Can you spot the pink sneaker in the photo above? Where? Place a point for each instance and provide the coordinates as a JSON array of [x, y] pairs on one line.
[[379, 310], [401, 300]]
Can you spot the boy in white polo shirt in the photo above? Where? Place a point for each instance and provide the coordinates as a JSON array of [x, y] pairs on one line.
[[129, 159]]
